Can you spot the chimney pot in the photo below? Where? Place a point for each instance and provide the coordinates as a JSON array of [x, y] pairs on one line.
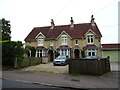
[[72, 22], [92, 21], [52, 24]]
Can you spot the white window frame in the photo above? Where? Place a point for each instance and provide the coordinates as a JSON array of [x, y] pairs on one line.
[[91, 51], [64, 40], [64, 52], [90, 39], [38, 52], [51, 43], [40, 41], [76, 43]]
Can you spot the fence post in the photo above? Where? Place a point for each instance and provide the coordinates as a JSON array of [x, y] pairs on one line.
[[108, 64]]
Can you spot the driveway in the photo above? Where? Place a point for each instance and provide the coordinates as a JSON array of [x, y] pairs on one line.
[[47, 68], [58, 69]]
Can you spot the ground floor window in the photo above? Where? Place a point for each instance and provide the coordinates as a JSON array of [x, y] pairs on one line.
[[40, 53], [91, 52], [65, 52]]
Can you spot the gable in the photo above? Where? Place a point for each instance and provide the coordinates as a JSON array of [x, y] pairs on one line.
[[40, 35], [64, 33], [90, 32]]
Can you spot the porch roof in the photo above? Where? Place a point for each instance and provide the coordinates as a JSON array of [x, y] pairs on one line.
[[91, 46], [41, 47], [64, 47]]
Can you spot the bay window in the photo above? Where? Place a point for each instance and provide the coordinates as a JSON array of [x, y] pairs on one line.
[[91, 52], [40, 53], [65, 52]]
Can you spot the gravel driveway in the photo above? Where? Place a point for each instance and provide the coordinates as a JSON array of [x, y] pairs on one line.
[[47, 68]]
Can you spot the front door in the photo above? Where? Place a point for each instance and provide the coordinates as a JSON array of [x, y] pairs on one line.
[[51, 55], [77, 53]]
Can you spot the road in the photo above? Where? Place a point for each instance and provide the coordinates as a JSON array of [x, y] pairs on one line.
[[108, 80], [19, 84]]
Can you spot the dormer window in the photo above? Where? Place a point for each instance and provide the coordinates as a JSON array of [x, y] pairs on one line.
[[40, 41], [64, 39], [90, 38]]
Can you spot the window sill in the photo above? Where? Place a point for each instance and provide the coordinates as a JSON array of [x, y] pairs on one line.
[[40, 45], [90, 43], [64, 44]]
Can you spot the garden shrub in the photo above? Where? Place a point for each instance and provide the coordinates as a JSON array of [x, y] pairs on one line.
[[13, 55], [12, 52]]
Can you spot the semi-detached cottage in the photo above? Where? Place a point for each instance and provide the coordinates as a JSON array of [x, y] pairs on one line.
[[71, 40]]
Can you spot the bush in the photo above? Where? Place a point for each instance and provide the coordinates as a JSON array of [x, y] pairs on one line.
[[29, 61], [13, 55], [12, 52], [83, 53], [56, 54]]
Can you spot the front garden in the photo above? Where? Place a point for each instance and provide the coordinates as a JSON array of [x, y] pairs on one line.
[[13, 56]]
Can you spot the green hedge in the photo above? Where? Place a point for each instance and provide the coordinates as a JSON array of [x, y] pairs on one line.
[[12, 51], [29, 61], [13, 55]]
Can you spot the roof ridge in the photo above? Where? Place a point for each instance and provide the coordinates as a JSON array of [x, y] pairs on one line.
[[62, 25]]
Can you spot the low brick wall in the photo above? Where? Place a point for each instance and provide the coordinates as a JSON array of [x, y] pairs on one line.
[[88, 66]]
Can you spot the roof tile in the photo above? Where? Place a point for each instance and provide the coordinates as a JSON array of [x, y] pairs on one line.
[[77, 31]]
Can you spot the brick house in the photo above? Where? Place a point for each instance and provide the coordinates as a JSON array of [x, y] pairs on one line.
[[70, 40]]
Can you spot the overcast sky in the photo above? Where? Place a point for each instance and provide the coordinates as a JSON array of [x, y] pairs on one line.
[[24, 15]]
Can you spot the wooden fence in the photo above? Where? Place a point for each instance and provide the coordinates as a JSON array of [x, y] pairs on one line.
[[89, 66]]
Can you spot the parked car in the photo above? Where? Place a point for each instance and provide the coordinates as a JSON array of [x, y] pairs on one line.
[[61, 60], [92, 57]]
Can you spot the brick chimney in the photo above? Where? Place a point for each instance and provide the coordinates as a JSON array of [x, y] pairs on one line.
[[72, 22], [92, 21], [52, 24]]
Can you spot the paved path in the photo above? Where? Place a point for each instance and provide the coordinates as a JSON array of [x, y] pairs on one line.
[[108, 80]]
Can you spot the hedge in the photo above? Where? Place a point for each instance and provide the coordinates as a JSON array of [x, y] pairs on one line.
[[12, 51], [29, 61]]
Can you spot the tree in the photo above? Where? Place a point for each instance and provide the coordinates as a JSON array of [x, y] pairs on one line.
[[5, 29], [11, 52]]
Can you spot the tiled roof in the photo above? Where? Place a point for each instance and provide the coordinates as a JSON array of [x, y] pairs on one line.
[[110, 46], [78, 31], [76, 46], [63, 47], [41, 47], [90, 46]]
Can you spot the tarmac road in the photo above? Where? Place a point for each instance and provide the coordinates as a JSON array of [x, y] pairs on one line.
[[108, 80], [19, 84]]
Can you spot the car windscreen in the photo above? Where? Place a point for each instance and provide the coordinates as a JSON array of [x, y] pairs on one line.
[[61, 57]]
